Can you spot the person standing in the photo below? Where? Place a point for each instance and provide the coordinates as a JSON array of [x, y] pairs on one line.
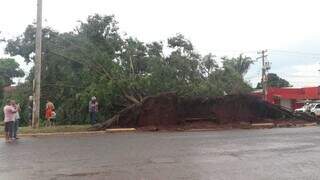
[[9, 115], [49, 110], [30, 110], [16, 120], [93, 110], [53, 118]]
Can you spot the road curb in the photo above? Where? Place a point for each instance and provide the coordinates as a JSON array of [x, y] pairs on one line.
[[198, 130], [263, 125], [310, 124], [120, 130], [59, 134]]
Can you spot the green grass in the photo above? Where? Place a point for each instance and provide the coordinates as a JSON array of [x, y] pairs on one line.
[[57, 129]]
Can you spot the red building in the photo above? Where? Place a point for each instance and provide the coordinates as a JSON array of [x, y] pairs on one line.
[[291, 98]]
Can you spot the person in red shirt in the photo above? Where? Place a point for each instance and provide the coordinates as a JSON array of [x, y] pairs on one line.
[[49, 113]]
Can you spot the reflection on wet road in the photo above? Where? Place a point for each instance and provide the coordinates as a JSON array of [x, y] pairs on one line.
[[239, 154]]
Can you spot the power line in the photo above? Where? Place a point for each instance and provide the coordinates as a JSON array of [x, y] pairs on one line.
[[302, 76], [292, 76], [235, 51], [295, 52], [303, 82]]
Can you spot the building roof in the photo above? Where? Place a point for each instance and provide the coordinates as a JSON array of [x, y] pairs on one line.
[[295, 93]]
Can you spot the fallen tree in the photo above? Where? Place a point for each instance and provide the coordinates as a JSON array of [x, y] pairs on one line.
[[168, 109]]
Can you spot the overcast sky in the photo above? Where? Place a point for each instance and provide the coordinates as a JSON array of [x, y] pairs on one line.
[[289, 29]]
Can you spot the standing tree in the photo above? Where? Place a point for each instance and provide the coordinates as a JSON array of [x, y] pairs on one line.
[[9, 69], [240, 64], [275, 81]]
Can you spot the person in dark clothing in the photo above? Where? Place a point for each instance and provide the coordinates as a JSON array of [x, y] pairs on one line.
[[93, 110], [30, 109]]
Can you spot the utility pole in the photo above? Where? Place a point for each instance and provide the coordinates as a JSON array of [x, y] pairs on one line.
[[37, 67], [264, 77]]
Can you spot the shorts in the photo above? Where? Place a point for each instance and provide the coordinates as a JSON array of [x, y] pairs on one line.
[[8, 126]]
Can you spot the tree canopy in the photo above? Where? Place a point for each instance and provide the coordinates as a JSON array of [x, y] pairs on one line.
[[96, 60], [9, 69], [273, 80], [240, 64]]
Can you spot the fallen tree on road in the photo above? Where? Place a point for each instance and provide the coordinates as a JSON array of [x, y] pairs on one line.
[[167, 109]]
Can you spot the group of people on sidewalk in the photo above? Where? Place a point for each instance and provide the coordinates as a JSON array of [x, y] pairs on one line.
[[50, 114], [11, 120], [12, 117]]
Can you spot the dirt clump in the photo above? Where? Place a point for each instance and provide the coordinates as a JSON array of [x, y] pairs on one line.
[[159, 110]]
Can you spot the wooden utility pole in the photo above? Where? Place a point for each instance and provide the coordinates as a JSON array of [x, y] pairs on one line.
[[264, 77], [37, 67]]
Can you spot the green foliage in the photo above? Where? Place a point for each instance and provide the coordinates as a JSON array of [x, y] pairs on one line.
[[240, 64], [95, 60], [9, 69], [275, 81]]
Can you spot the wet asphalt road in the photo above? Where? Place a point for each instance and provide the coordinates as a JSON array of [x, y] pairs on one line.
[[225, 155]]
